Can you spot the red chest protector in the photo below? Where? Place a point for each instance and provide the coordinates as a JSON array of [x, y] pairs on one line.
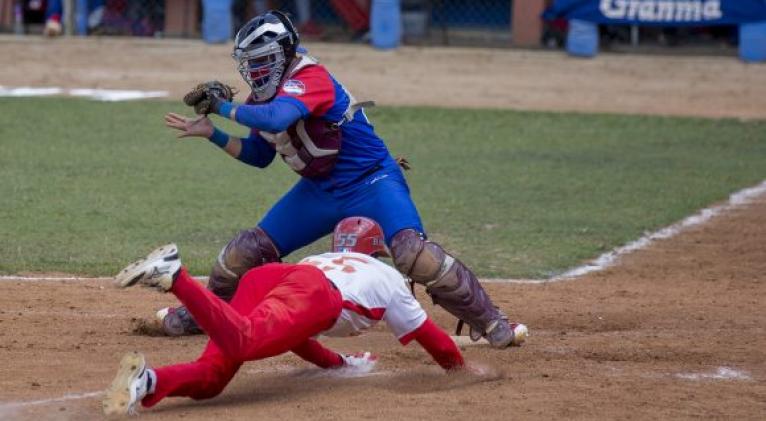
[[310, 147]]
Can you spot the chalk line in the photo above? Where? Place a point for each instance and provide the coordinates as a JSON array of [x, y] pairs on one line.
[[108, 95], [290, 370], [67, 397], [722, 373], [737, 199], [26, 91], [467, 341], [50, 278], [609, 259], [606, 260], [513, 281], [112, 95]]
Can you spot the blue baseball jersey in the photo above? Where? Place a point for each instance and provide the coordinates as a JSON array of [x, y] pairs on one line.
[[314, 92], [365, 181]]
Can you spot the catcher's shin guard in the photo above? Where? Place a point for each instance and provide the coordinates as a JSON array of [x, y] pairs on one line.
[[249, 249], [450, 284]]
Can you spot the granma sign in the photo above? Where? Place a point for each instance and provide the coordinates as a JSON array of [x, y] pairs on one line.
[[660, 12]]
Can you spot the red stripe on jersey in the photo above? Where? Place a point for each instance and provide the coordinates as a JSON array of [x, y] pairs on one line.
[[406, 339], [317, 91], [437, 343], [370, 313]]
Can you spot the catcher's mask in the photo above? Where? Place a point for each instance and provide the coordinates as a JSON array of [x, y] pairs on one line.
[[360, 235], [263, 49]]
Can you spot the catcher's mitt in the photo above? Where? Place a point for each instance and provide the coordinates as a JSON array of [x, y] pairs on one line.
[[206, 97]]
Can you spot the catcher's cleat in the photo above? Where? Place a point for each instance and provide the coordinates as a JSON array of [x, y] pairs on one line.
[[176, 321], [158, 269], [520, 333], [129, 386], [504, 334]]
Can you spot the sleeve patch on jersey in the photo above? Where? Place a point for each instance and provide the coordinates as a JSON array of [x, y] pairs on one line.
[[294, 87]]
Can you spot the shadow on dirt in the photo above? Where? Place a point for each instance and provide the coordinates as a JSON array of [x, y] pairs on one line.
[[294, 385]]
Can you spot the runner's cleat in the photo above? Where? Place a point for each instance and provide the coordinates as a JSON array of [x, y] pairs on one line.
[[129, 386], [156, 270]]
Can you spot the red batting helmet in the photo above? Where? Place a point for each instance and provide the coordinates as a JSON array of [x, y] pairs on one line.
[[360, 235]]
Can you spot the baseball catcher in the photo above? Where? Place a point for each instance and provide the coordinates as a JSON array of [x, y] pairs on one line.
[[298, 110], [277, 308]]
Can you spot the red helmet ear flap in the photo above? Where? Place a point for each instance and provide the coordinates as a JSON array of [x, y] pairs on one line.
[[360, 235]]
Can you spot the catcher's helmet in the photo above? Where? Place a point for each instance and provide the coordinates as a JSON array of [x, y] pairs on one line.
[[264, 48], [360, 235]]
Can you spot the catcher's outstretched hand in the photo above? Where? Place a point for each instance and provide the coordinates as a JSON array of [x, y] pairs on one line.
[[207, 97], [199, 126]]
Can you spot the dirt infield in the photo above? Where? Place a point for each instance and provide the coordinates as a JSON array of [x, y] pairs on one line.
[[673, 331], [446, 77], [644, 340]]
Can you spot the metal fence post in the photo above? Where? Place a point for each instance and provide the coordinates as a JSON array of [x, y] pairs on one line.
[[81, 13], [68, 18]]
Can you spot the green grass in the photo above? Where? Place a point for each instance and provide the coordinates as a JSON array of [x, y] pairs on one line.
[[88, 186]]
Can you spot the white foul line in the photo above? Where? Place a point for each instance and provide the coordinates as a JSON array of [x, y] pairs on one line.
[[49, 278], [514, 281], [736, 200], [67, 397], [202, 279], [108, 95]]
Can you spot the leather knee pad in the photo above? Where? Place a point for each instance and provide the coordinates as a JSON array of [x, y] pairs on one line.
[[248, 249], [420, 260]]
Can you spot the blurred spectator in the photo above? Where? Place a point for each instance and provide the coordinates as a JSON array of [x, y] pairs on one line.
[[555, 33], [55, 9], [53, 13], [356, 14], [29, 12], [140, 18], [305, 25], [34, 11]]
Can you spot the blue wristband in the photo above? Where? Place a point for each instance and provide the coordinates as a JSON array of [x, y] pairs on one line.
[[219, 137]]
